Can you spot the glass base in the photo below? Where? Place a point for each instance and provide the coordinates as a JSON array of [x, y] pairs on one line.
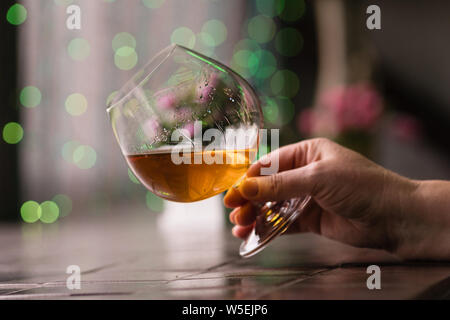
[[274, 219]]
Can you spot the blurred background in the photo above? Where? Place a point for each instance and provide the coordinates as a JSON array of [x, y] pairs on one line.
[[318, 69]]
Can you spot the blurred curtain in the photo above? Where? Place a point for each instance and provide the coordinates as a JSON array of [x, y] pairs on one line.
[[9, 186]]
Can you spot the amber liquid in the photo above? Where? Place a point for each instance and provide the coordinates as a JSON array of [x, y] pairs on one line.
[[190, 182]]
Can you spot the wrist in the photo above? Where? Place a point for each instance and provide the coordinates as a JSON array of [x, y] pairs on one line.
[[423, 227], [404, 217]]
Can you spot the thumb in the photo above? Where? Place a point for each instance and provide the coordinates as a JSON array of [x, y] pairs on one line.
[[281, 186]]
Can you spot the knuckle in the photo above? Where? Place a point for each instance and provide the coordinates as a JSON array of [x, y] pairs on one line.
[[322, 141], [276, 183], [316, 169], [316, 175]]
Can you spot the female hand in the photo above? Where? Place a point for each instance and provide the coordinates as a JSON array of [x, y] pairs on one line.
[[355, 201]]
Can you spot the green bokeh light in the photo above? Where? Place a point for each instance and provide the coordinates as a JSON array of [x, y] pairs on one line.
[[123, 39], [293, 10], [79, 49], [48, 212], [64, 204], [278, 111], [183, 36], [63, 2], [267, 64], [262, 150], [76, 104], [153, 4], [260, 64], [132, 177], [286, 110], [217, 30], [68, 149], [84, 157], [261, 28], [289, 42], [30, 212], [206, 39], [125, 58], [154, 202], [270, 8], [247, 44], [270, 110], [246, 59], [111, 96], [205, 44], [17, 14], [245, 63], [285, 83], [30, 97], [12, 133]]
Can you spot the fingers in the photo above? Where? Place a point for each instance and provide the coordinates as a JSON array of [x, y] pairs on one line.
[[245, 215], [241, 232], [289, 157], [308, 221], [280, 186], [286, 158], [233, 215], [233, 198], [244, 218]]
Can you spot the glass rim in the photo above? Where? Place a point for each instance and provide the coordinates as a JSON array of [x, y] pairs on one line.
[[115, 102], [160, 55]]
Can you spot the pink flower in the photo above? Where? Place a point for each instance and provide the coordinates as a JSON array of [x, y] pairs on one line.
[[206, 89], [305, 121], [189, 127], [150, 128], [167, 101], [182, 114], [356, 107], [406, 127]]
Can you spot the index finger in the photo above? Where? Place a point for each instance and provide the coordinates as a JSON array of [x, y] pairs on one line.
[[282, 157], [233, 198], [285, 158]]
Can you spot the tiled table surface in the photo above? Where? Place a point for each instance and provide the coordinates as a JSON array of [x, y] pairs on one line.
[[126, 256]]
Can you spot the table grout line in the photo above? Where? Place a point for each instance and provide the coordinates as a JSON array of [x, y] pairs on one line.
[[205, 270], [437, 291], [292, 282], [89, 271], [165, 283]]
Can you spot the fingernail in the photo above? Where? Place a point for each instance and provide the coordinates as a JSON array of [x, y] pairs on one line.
[[238, 183], [265, 160], [234, 231], [249, 187], [233, 215]]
